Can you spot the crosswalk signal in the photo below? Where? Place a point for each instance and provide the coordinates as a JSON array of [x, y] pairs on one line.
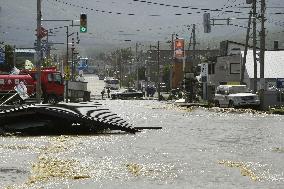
[[83, 23]]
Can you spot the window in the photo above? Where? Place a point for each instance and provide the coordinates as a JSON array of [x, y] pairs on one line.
[[114, 82], [49, 77], [57, 78], [211, 69], [235, 68], [280, 95]]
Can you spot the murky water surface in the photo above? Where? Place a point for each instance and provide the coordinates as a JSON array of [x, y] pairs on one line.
[[196, 148]]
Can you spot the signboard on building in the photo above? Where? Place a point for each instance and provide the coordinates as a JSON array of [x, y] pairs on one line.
[[179, 48], [2, 56], [280, 83]]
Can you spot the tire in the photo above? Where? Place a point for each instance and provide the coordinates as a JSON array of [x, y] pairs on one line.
[[51, 99], [231, 104], [217, 104]]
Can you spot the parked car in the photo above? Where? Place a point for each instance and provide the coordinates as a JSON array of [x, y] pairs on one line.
[[235, 96], [127, 93]]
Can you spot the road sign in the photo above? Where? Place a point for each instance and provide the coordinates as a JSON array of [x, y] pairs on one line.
[[42, 32], [2, 56], [204, 72], [280, 83]]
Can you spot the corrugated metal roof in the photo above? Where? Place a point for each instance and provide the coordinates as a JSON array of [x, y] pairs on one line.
[[25, 50], [273, 64]]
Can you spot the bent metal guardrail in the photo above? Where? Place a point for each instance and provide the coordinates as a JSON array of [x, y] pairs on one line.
[[71, 118]]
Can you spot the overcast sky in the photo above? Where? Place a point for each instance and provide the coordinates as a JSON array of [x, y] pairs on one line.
[[111, 22]]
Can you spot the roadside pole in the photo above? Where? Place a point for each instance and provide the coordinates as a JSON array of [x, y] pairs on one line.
[[14, 56], [261, 54], [67, 65], [158, 70], [137, 67], [254, 47], [172, 62], [243, 66], [72, 61], [38, 63], [262, 43], [183, 72]]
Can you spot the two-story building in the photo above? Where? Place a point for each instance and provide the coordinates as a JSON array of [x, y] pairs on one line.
[[227, 70]]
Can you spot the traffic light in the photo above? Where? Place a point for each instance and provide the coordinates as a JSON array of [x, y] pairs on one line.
[[206, 23], [83, 23]]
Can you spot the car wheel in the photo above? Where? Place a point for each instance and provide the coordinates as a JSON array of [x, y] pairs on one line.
[[217, 104], [51, 99], [231, 104]]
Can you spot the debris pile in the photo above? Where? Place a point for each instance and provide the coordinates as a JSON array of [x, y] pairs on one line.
[[63, 118]]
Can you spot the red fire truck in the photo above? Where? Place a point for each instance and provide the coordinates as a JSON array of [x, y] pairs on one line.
[[52, 84]]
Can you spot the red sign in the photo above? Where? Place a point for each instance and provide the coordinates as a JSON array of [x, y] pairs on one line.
[[179, 48], [42, 32]]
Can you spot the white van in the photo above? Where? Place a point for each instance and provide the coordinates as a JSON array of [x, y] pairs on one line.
[[235, 96]]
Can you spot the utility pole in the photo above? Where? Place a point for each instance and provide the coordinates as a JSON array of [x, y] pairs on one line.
[[120, 68], [194, 45], [137, 67], [262, 42], [262, 53], [72, 61], [158, 70], [38, 64], [14, 56], [254, 47], [171, 67], [47, 46], [67, 65], [243, 66], [193, 63]]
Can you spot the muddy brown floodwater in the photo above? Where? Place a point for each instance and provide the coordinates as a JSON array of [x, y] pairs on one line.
[[197, 148]]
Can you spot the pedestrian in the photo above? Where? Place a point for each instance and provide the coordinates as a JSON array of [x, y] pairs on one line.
[[108, 92], [143, 90], [148, 91], [103, 92], [80, 77]]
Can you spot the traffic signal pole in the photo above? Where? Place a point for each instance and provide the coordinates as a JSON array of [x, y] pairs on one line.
[[38, 63]]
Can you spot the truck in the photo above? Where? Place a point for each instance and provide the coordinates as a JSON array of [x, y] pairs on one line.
[[52, 85], [111, 83]]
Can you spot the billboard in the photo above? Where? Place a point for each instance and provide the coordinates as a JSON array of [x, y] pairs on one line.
[[179, 48]]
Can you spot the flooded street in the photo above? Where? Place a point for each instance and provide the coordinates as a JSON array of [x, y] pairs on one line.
[[196, 148]]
